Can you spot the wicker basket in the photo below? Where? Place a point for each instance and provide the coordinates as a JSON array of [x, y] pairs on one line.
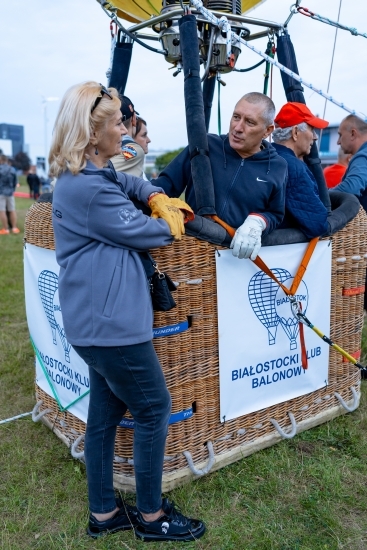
[[190, 361]]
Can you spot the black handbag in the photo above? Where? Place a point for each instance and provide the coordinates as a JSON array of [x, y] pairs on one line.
[[160, 284], [161, 287]]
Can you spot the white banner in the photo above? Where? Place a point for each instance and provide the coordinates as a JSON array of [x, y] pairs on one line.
[[60, 372], [259, 345]]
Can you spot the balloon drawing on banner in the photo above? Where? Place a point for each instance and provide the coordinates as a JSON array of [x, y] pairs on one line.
[[48, 284], [284, 311], [262, 291]]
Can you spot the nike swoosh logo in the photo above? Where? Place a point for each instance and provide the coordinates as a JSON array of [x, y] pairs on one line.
[[258, 179]]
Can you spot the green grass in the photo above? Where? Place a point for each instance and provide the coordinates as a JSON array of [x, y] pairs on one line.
[[305, 494]]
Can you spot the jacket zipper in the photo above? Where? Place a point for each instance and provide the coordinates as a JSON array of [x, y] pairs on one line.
[[230, 188]]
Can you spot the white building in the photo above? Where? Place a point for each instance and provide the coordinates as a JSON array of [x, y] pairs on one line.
[[150, 168], [328, 149]]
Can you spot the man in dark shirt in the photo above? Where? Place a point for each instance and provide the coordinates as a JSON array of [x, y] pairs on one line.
[[33, 183], [249, 177], [353, 140]]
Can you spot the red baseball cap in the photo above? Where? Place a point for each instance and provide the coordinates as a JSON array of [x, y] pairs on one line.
[[293, 113]]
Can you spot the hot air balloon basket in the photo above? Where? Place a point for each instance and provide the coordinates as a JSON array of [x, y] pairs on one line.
[[197, 441]]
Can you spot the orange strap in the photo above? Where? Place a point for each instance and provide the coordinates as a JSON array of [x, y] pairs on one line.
[[296, 280], [304, 359], [303, 265], [353, 291], [227, 227], [262, 265], [300, 271], [295, 284]]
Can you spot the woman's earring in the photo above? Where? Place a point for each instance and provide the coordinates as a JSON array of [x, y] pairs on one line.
[[96, 151]]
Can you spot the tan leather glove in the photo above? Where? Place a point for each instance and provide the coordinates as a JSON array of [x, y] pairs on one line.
[[185, 208], [162, 207]]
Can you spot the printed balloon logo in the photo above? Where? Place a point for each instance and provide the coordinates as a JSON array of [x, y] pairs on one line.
[[261, 292], [284, 311], [48, 283], [271, 305]]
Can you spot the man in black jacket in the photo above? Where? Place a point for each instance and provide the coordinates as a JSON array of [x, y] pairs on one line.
[[249, 176]]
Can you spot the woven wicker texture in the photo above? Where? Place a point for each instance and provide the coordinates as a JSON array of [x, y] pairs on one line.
[[190, 359]]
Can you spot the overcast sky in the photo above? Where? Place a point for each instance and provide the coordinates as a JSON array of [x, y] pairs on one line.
[[45, 47]]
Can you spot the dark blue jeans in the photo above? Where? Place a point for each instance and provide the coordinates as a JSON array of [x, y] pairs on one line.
[[121, 378]]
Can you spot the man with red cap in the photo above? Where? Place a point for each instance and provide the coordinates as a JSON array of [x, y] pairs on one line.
[[293, 137]]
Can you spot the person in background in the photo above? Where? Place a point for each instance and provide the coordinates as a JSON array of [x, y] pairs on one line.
[[141, 137], [130, 159], [353, 141], [8, 183], [293, 137], [107, 310], [249, 176], [141, 134], [334, 174], [33, 182], [8, 214]]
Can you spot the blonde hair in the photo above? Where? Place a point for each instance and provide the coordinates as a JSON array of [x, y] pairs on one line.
[[75, 124]]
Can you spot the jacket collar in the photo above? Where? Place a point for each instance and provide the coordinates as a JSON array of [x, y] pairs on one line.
[[284, 149], [108, 172], [363, 148], [266, 148]]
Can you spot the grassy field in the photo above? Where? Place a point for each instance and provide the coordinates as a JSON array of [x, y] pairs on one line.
[[305, 494]]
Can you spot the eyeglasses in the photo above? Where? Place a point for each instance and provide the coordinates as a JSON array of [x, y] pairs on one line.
[[103, 92]]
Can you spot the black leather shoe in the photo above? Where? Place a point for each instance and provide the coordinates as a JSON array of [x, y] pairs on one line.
[[124, 519], [171, 526]]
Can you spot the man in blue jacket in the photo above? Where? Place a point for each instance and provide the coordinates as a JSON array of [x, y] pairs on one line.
[[249, 176], [293, 137], [353, 140]]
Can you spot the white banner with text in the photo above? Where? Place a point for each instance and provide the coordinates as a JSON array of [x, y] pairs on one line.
[[259, 343], [60, 372]]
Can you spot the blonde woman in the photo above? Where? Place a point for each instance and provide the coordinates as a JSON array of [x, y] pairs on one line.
[[107, 310]]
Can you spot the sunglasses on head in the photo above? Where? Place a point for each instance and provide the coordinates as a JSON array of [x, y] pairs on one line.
[[103, 92]]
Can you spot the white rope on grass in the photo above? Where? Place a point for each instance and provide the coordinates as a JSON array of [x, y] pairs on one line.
[[355, 404], [281, 432], [73, 448], [15, 417], [212, 19], [36, 416], [209, 465]]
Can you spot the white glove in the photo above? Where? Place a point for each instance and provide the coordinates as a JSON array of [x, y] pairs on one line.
[[247, 240]]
